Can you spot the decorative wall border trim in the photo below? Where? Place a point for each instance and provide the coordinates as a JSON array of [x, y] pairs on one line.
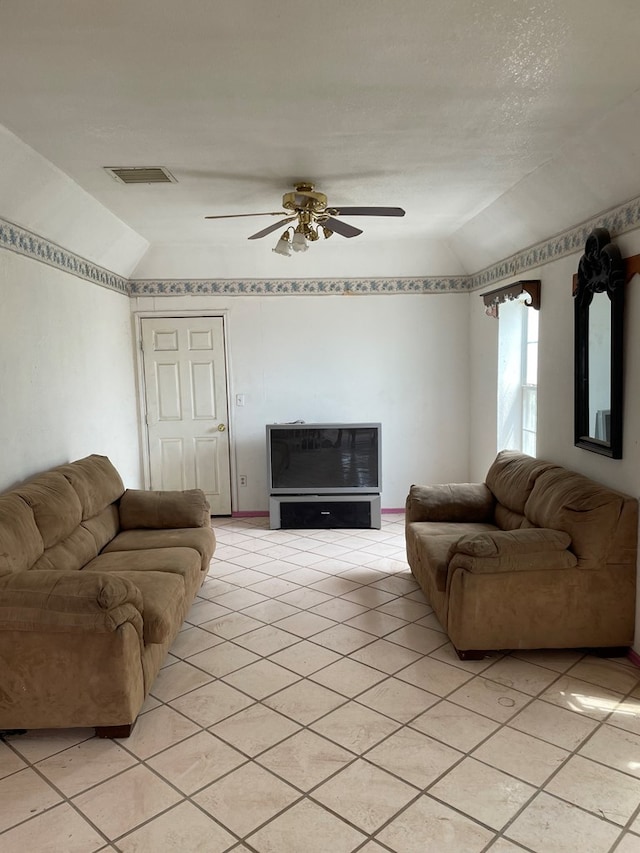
[[617, 220], [24, 242], [298, 287]]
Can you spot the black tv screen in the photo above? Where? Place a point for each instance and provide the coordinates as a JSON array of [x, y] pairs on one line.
[[323, 458]]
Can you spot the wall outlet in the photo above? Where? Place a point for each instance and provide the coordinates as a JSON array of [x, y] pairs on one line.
[[243, 479]]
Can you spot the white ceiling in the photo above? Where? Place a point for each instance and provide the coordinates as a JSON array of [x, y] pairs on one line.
[[439, 107]]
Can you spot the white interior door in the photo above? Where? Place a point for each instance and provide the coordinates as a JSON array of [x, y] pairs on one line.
[[186, 406]]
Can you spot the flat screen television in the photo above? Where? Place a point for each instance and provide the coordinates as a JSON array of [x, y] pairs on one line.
[[324, 459]]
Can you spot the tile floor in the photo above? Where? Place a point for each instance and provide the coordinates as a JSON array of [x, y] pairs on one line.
[[312, 704]]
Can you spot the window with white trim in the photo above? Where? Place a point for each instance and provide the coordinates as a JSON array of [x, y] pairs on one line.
[[517, 377]]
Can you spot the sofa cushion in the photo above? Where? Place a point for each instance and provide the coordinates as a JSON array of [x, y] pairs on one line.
[[586, 510], [71, 554], [507, 519], [95, 481], [516, 542], [182, 562], [200, 539], [463, 502], [56, 507], [20, 540], [512, 476], [103, 526], [156, 510]]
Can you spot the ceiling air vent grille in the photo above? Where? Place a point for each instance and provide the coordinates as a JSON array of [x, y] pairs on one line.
[[141, 174]]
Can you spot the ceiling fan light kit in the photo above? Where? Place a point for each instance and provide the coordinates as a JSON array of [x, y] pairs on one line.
[[314, 219]]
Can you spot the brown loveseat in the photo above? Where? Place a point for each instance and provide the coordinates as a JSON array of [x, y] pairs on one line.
[[95, 582], [535, 557]]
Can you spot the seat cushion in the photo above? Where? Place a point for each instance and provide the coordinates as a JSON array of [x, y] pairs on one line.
[[201, 539], [182, 562]]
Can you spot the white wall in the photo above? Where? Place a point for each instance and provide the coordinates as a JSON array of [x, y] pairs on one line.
[[38, 196], [372, 255], [555, 381], [401, 360], [67, 379]]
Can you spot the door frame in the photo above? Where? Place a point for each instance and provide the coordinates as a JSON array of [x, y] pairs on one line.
[[143, 433]]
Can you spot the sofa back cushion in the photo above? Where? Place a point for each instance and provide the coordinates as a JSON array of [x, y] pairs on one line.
[[95, 481], [54, 504], [20, 541], [507, 519], [511, 478], [71, 554], [104, 526], [589, 512]]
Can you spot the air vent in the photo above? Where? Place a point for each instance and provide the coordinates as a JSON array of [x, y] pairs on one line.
[[141, 174]]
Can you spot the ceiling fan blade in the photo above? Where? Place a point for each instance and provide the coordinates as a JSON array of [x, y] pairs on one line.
[[237, 215], [370, 211], [339, 227], [271, 228]]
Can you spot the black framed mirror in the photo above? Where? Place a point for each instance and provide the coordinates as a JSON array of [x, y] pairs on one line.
[[599, 311]]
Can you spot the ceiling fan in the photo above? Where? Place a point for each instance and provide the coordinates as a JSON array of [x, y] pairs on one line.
[[313, 215]]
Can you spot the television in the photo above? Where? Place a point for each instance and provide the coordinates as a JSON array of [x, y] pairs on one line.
[[324, 459]]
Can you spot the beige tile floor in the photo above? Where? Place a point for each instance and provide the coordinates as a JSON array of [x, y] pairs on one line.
[[312, 704]]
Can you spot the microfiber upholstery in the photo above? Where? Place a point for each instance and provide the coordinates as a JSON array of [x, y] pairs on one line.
[[88, 611], [511, 478], [20, 540], [197, 538], [55, 505], [157, 510], [507, 542], [580, 507], [163, 602], [95, 481], [546, 559]]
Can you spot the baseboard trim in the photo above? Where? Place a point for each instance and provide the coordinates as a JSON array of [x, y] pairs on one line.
[[634, 657]]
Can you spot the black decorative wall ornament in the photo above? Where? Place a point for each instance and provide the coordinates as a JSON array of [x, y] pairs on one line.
[[599, 311]]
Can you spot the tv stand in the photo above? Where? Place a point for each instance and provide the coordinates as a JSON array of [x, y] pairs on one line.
[[324, 511]]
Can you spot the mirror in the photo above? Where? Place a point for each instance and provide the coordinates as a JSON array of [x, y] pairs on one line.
[[599, 306]]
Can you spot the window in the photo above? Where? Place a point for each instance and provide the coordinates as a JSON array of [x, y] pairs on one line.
[[517, 377], [529, 380]]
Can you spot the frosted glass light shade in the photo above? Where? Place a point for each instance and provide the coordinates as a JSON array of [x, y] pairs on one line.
[[299, 243]]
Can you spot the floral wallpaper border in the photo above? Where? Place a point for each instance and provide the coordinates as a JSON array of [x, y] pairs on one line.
[[24, 242], [299, 287], [618, 220]]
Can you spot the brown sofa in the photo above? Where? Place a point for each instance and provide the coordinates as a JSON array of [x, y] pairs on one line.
[[95, 582], [535, 557]]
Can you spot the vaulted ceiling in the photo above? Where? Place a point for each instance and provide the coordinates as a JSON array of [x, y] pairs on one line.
[[494, 124]]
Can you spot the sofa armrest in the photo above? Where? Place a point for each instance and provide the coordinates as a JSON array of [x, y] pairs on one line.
[[517, 543], [163, 510], [460, 502], [68, 602], [526, 562]]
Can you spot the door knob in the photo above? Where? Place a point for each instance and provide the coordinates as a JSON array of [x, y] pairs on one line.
[[221, 427]]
